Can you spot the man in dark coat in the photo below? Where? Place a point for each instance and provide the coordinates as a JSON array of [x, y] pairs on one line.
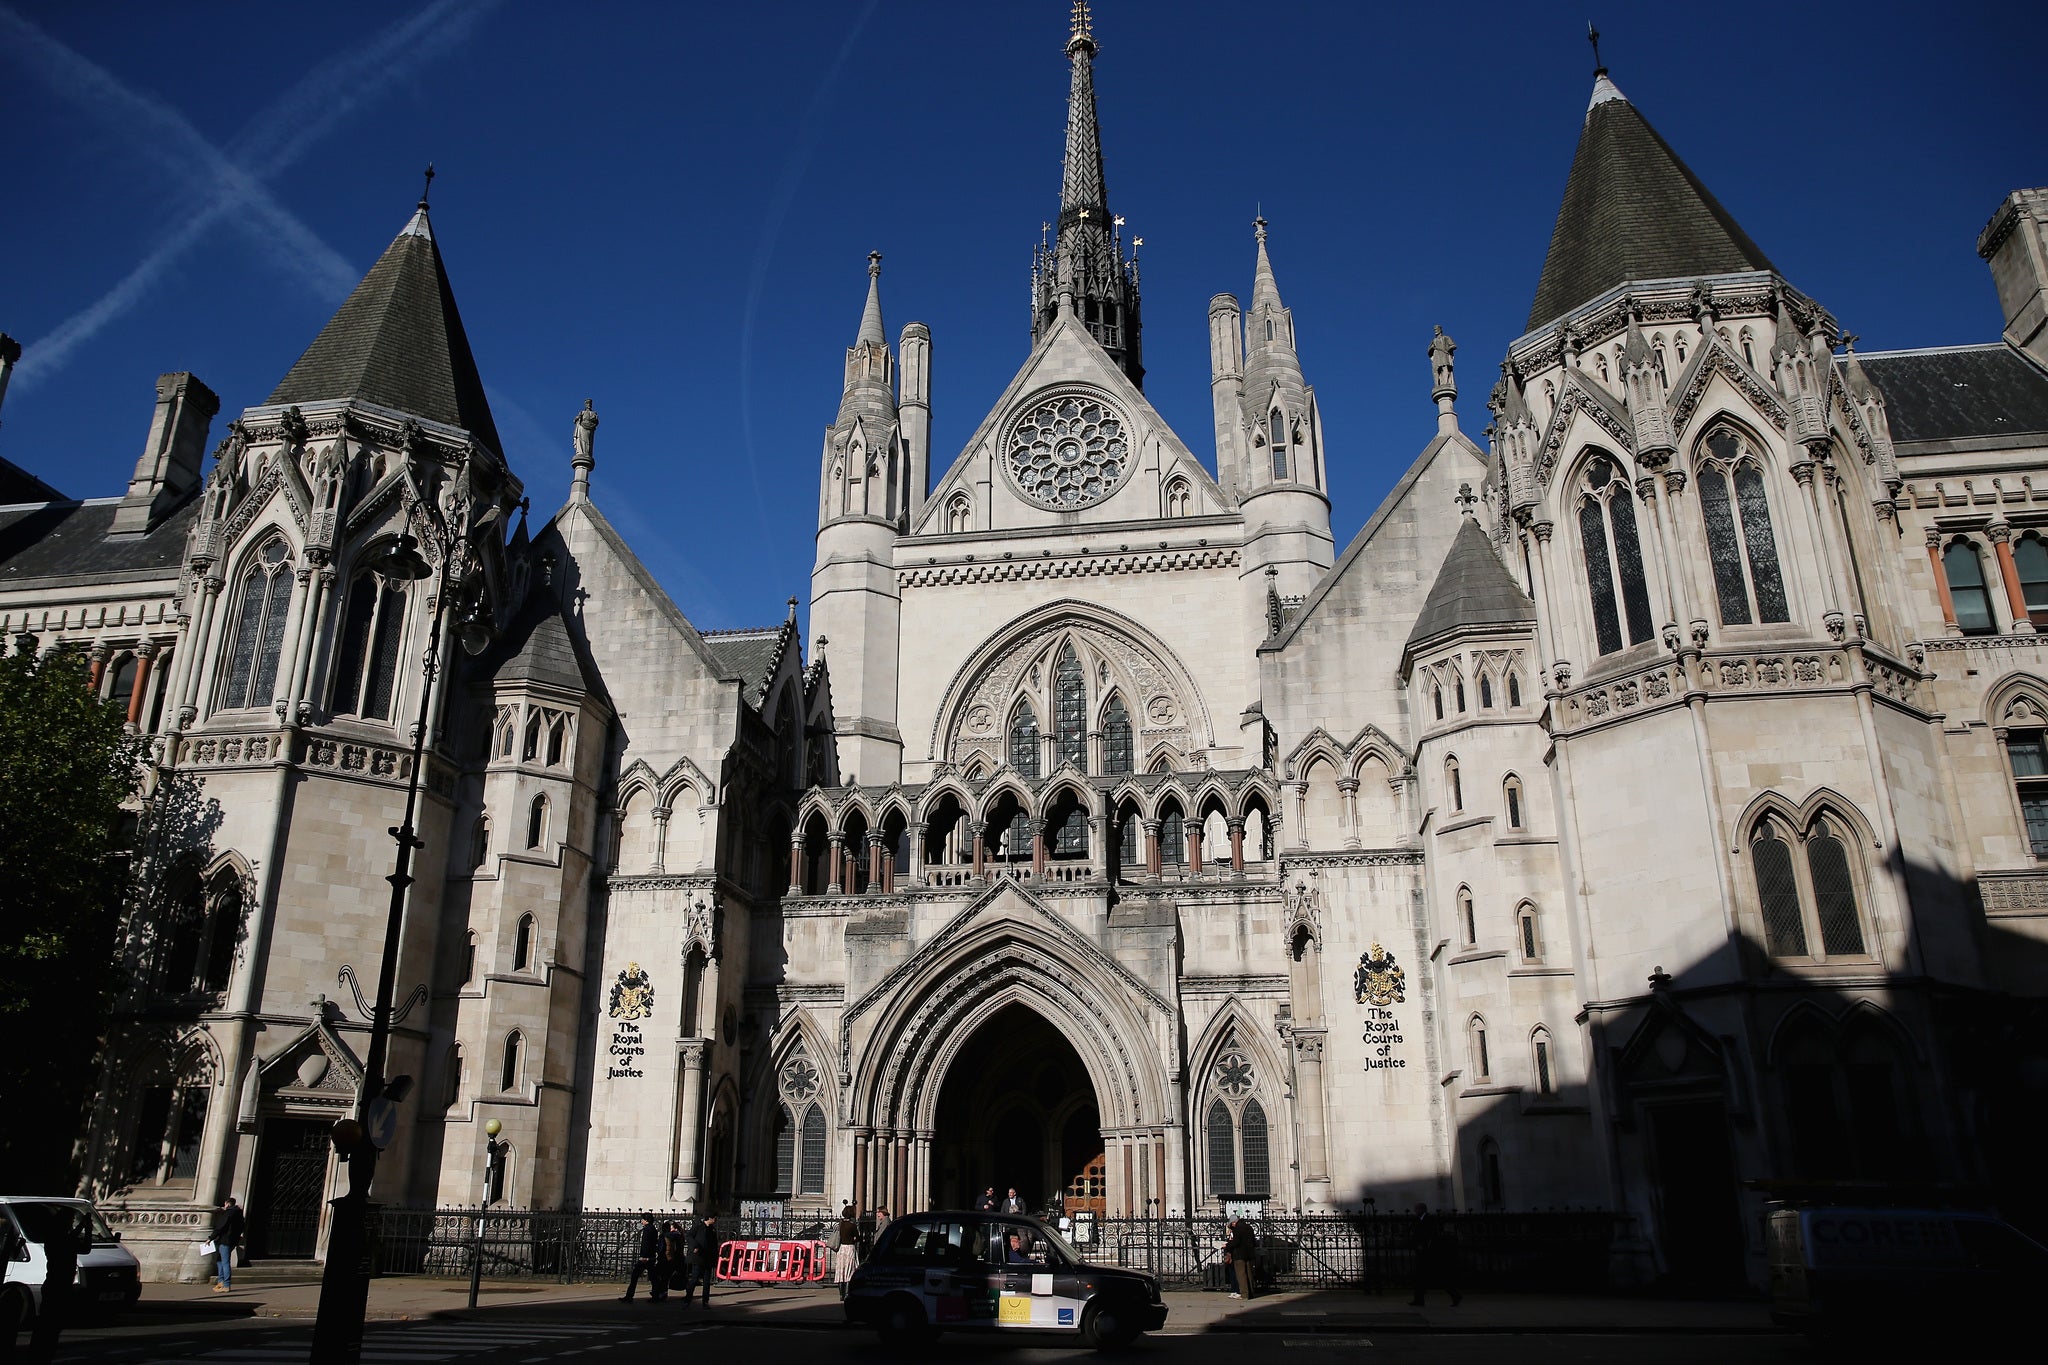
[[646, 1260], [1240, 1253], [227, 1235], [704, 1254], [1436, 1258], [69, 1237], [987, 1202], [675, 1259]]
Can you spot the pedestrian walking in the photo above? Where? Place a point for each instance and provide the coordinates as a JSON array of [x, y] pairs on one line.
[[987, 1202], [1436, 1258], [227, 1235], [704, 1253], [848, 1255], [675, 1260], [1013, 1202], [1240, 1253], [646, 1259], [68, 1237]]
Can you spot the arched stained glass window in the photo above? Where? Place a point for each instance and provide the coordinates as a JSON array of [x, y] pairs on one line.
[[1778, 891], [1222, 1151], [785, 1152], [258, 637], [1173, 839], [1116, 738], [1258, 1172], [1741, 547], [1834, 896], [1614, 558], [1966, 589], [1278, 436], [366, 666], [812, 1170], [1070, 709], [1024, 741]]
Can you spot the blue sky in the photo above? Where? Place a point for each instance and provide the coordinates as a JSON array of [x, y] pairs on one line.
[[667, 207]]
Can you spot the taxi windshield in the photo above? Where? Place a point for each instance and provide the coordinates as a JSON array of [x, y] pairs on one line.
[[1062, 1249]]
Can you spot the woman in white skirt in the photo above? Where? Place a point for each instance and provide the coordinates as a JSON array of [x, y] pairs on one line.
[[848, 1255]]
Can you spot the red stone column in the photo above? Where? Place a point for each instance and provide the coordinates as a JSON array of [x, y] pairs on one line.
[[980, 848], [1037, 854], [796, 866], [145, 654], [1237, 847], [1948, 605], [1194, 832], [878, 871], [2015, 596], [99, 666]]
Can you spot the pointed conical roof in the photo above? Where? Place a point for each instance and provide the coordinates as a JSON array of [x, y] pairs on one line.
[[1632, 211], [871, 332], [398, 342], [1269, 363], [1472, 588]]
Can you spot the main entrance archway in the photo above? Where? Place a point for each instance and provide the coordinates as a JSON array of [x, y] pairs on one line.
[[1017, 1110]]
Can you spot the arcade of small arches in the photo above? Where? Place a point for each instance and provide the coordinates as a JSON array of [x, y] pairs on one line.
[[1065, 829]]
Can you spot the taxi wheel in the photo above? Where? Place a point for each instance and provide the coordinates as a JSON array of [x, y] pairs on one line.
[[1107, 1325], [902, 1322]]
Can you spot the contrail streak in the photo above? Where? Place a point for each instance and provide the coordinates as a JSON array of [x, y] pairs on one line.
[[232, 183]]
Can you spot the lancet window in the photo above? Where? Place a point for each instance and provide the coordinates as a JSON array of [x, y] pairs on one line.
[[1967, 590], [258, 637], [366, 666], [1024, 741], [1277, 426], [800, 1132], [1070, 710], [1614, 557], [1236, 1132], [1740, 544], [1116, 738], [1810, 902]]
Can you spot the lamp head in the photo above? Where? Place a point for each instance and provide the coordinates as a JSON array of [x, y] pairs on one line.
[[475, 634], [492, 1128], [401, 560]]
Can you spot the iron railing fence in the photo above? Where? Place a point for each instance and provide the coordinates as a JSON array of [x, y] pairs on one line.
[[1552, 1250]]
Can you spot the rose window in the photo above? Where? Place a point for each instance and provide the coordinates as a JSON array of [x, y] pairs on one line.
[[800, 1079], [1233, 1073], [1069, 451]]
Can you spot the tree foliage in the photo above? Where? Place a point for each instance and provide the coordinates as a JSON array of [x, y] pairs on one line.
[[66, 767]]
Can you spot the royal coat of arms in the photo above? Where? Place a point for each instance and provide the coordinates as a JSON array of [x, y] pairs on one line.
[[632, 994], [1378, 980]]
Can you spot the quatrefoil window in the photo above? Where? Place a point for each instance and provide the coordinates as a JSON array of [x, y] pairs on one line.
[[800, 1079], [1233, 1074], [1069, 451]]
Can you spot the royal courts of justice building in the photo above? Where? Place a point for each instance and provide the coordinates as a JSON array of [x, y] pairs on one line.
[[1643, 811]]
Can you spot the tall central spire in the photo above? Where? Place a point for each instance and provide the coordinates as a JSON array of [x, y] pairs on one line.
[[1083, 269]]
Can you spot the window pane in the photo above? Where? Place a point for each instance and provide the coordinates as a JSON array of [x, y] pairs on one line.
[[508, 1078], [1258, 1171], [1599, 577], [151, 1120], [1173, 839], [355, 643], [275, 609], [1724, 550], [383, 666], [785, 1153], [248, 630], [1834, 895], [1628, 556], [1529, 935], [1763, 550], [1222, 1151], [1071, 840], [2031, 558], [2034, 806], [814, 1151], [1071, 712], [1278, 435], [191, 1127], [1116, 738], [1966, 589], [2029, 754], [1784, 931], [1024, 743], [1543, 1066], [1128, 854]]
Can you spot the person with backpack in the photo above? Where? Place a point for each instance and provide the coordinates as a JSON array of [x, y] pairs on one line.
[[646, 1260]]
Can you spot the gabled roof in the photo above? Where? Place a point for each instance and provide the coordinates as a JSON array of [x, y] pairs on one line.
[[1632, 211], [1473, 588], [398, 342], [751, 655], [1952, 393]]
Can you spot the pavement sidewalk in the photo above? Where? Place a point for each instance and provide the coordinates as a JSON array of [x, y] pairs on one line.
[[1303, 1312]]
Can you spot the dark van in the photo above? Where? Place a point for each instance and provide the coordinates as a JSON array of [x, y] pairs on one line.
[[1868, 1271]]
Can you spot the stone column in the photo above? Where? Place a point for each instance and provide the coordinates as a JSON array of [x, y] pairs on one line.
[[1236, 846], [901, 1198], [921, 1170], [1804, 473], [145, 654], [208, 657], [1308, 1075], [660, 863], [315, 586], [1151, 848], [914, 834], [878, 869], [1347, 787], [690, 1118], [2000, 534], [99, 665], [980, 848], [796, 864], [835, 882], [1193, 830], [861, 1202], [1037, 852], [1948, 604], [1299, 791]]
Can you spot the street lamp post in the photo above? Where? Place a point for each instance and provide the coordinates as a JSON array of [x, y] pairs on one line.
[[345, 1281], [494, 1161]]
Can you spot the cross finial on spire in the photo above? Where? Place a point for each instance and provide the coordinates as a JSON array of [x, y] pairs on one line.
[[874, 264], [429, 185], [1083, 34], [1593, 37], [1259, 228]]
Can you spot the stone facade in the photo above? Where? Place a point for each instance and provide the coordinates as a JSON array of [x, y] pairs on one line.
[[1641, 812]]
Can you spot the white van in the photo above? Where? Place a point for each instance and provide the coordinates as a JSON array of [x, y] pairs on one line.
[[109, 1278], [1892, 1272]]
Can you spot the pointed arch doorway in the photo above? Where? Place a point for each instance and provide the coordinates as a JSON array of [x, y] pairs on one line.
[[1017, 1109]]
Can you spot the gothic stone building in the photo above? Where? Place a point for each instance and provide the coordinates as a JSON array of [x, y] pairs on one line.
[[1642, 811]]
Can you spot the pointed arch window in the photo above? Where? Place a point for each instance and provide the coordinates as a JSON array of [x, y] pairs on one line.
[[530, 751], [1482, 1059], [2027, 750], [1222, 1151], [1485, 691], [2030, 557], [1966, 588], [1454, 785], [507, 734], [1458, 692], [1614, 557], [1511, 800], [468, 958], [1024, 741], [1173, 839], [558, 741], [1070, 710], [537, 822], [508, 1062], [1277, 425], [452, 1077], [1491, 1194], [959, 514], [522, 945], [1740, 544], [480, 842], [258, 637], [1436, 698], [1528, 933], [1236, 1131], [1514, 689], [1468, 924], [1117, 754], [366, 664], [1811, 904], [1540, 1059]]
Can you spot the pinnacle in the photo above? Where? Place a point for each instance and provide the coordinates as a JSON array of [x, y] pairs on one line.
[[871, 332]]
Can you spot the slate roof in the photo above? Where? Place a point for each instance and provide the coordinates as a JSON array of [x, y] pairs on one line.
[[1632, 211], [537, 647], [398, 342], [752, 655], [1958, 392], [70, 540], [1472, 588], [18, 485]]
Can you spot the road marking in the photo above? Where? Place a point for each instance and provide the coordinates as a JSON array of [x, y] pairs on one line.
[[1328, 1342]]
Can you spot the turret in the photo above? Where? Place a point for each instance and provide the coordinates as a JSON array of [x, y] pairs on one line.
[[870, 479], [915, 409], [2015, 245], [1514, 442], [1792, 371], [1643, 386], [1226, 390]]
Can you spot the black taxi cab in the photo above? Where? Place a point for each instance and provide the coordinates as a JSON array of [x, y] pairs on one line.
[[996, 1273]]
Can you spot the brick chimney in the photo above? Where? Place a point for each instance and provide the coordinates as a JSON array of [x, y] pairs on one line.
[[2015, 243]]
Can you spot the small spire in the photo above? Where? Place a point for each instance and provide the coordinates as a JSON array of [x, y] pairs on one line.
[[427, 187], [1083, 34], [1593, 37], [871, 332], [792, 611], [1790, 340]]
